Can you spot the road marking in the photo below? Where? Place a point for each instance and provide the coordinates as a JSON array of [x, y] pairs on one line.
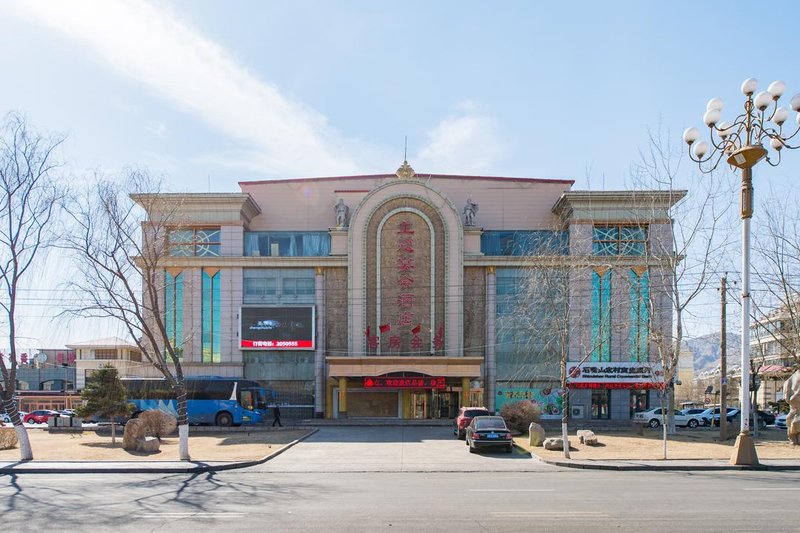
[[775, 488], [179, 515], [560, 514], [512, 490]]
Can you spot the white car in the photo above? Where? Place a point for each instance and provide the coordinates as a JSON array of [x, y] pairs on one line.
[[654, 418], [780, 421], [5, 420]]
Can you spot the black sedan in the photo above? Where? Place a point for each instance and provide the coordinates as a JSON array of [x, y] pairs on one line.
[[489, 432]]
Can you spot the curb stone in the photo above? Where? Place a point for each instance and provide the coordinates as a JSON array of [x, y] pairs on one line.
[[638, 467], [197, 468]]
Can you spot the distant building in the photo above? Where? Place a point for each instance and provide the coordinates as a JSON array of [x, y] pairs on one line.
[[91, 355], [774, 352]]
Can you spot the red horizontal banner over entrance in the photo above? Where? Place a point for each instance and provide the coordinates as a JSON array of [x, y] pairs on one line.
[[277, 344], [404, 383], [623, 385]]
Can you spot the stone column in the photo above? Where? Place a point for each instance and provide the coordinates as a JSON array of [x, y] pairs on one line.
[[319, 353], [490, 356], [328, 399], [465, 391], [342, 397]]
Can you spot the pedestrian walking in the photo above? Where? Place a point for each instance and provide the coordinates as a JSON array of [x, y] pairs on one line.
[[276, 412]]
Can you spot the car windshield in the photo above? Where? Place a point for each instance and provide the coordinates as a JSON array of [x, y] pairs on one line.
[[490, 423]]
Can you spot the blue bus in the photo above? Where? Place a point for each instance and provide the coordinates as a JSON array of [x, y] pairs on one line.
[[209, 400]]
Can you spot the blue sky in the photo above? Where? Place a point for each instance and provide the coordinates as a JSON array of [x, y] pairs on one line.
[[211, 93]]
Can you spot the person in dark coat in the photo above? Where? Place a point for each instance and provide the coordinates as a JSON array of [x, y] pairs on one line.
[[276, 412]]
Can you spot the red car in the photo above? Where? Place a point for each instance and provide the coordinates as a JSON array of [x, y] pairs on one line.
[[40, 416], [465, 416]]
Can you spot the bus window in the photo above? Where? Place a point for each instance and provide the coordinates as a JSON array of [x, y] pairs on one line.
[[247, 400]]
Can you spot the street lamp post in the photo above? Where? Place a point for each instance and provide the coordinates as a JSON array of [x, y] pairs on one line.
[[741, 143]]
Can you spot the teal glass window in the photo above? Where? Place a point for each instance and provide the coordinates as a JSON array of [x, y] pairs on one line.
[[531, 307], [619, 240], [287, 243], [194, 242], [600, 348], [211, 331], [639, 315], [522, 243], [173, 310]]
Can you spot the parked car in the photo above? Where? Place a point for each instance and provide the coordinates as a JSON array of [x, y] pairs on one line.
[[780, 421], [465, 416], [654, 418], [765, 419], [5, 420], [489, 432], [713, 412], [67, 412], [40, 416]]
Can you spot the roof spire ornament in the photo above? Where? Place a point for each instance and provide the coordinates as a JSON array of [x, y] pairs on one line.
[[405, 171]]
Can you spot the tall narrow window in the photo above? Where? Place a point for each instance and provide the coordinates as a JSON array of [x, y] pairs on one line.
[[173, 309], [211, 315], [639, 314], [601, 314]]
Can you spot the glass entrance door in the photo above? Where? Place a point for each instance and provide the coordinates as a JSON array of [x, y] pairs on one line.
[[419, 405]]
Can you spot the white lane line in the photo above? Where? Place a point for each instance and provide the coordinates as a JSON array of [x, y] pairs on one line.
[[560, 514], [772, 488], [233, 491], [178, 515], [512, 490]]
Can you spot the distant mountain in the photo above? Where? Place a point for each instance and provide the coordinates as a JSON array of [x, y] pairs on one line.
[[706, 350]]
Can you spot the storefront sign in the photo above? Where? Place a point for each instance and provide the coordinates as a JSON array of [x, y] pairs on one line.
[[614, 375], [404, 383], [547, 399]]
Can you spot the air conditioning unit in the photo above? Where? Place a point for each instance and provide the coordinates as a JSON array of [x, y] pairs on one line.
[[576, 411]]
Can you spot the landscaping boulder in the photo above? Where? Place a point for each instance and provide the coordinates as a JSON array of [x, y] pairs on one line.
[[148, 445], [157, 423], [554, 443], [8, 438], [587, 436], [536, 434], [134, 432]]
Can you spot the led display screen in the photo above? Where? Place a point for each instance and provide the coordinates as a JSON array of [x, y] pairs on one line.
[[277, 328]]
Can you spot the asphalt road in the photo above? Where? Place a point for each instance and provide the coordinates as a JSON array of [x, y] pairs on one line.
[[327, 496]]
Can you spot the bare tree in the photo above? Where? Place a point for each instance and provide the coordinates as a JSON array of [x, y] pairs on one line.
[[776, 303], [29, 194], [688, 252], [537, 323], [120, 242]]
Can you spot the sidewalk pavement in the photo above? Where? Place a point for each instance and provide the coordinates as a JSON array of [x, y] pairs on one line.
[[135, 467], [694, 465]]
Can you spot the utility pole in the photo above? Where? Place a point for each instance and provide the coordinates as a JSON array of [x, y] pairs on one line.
[[723, 355]]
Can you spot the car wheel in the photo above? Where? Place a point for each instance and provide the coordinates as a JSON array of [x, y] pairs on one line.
[[654, 423], [692, 423], [471, 449], [762, 424]]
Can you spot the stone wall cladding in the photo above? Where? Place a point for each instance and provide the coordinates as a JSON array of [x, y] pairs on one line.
[[474, 311], [336, 291], [439, 257]]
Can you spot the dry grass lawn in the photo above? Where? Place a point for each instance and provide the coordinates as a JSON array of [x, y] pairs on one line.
[[687, 444], [88, 446]]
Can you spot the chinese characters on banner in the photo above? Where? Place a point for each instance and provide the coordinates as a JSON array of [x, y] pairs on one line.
[[405, 326]]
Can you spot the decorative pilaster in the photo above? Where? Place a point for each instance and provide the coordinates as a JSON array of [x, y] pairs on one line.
[[490, 371], [319, 354]]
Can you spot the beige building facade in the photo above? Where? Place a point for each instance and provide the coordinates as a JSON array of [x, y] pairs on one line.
[[404, 295]]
